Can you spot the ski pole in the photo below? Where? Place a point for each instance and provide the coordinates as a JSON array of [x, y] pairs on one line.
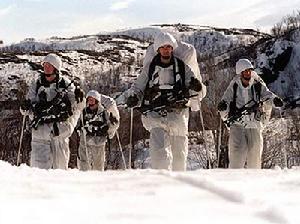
[[283, 145], [121, 150], [219, 141], [21, 139], [84, 142], [204, 141], [130, 140]]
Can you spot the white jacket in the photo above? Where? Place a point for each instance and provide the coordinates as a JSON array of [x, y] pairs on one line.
[[176, 123]]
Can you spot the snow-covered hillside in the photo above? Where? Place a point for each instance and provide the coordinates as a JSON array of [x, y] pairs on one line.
[[123, 51], [207, 40], [92, 59], [33, 196], [110, 62], [278, 62]]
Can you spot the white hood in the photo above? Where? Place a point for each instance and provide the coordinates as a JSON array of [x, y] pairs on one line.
[[95, 94], [164, 39], [242, 65]]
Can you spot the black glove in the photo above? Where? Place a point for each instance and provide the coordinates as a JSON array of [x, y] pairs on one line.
[[222, 106], [79, 94], [277, 102], [195, 85], [132, 101], [40, 107], [26, 105], [103, 130]]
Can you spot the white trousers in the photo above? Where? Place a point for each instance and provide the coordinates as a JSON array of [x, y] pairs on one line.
[[48, 154], [168, 152], [95, 159], [245, 147]]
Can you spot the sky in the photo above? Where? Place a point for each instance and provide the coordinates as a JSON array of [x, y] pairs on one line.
[[40, 19]]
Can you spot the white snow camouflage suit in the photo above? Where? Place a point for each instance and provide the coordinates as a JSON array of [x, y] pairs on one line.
[[246, 140], [50, 151], [91, 145], [168, 134], [52, 125]]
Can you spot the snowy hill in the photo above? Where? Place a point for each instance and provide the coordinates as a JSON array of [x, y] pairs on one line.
[[93, 59], [110, 62], [207, 40], [36, 196]]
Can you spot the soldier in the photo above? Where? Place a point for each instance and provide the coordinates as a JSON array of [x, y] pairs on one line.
[[100, 121], [53, 104], [247, 92], [163, 90]]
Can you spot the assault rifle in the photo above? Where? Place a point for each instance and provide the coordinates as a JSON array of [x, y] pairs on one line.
[[251, 106], [166, 106], [59, 109], [97, 126]]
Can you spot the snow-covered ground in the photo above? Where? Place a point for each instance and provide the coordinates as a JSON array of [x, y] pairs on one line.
[[36, 196]]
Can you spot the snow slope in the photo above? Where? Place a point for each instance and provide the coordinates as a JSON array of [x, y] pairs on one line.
[[34, 196]]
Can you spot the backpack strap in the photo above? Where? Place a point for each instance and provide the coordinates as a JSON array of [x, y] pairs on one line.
[[232, 104], [61, 83], [179, 68], [235, 86], [151, 70], [257, 89]]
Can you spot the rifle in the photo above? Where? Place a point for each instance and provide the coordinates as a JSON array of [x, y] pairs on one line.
[[250, 107], [58, 109], [96, 126], [166, 106]]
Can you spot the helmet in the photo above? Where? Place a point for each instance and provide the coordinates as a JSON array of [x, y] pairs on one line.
[[242, 65], [54, 60]]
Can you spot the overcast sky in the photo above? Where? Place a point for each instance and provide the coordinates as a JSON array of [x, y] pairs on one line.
[[20, 19]]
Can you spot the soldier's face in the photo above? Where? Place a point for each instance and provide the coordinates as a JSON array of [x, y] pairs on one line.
[[91, 102], [48, 68], [49, 71], [246, 76], [165, 51]]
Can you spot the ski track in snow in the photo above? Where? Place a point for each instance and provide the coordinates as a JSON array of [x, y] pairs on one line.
[[206, 184], [265, 210]]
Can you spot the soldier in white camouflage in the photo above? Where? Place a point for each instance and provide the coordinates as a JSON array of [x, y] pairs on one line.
[[53, 104], [99, 123], [249, 102], [170, 76]]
